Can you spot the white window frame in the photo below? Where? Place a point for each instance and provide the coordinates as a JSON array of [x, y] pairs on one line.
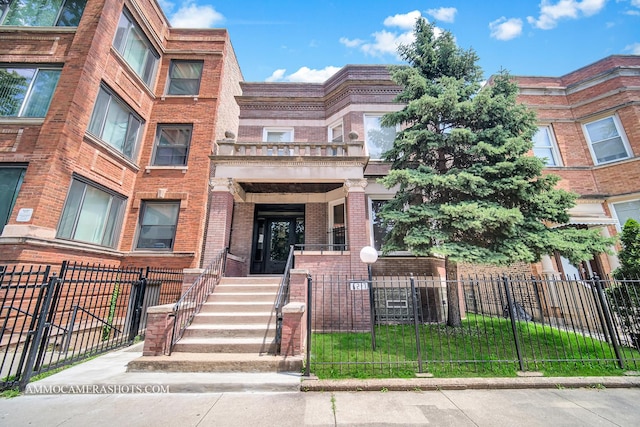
[[267, 130], [331, 219], [366, 136], [556, 159], [614, 212], [621, 134], [330, 137], [121, 44]]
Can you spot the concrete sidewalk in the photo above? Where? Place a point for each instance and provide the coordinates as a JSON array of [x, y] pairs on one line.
[[100, 392]]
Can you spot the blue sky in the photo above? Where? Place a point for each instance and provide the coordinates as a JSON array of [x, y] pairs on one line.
[[309, 40]]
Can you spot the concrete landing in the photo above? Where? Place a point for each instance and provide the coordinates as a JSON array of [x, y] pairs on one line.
[[109, 372]]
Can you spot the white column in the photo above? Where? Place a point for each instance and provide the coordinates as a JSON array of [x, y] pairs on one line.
[[614, 262]]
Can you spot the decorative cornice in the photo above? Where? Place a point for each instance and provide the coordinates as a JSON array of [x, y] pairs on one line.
[[355, 185]]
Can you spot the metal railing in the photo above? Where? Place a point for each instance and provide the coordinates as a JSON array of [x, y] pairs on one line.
[[282, 298], [193, 298], [508, 324], [321, 247], [49, 320]]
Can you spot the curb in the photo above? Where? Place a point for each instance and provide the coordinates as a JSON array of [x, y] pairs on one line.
[[432, 384]]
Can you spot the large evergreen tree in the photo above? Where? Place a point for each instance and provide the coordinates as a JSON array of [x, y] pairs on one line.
[[467, 188], [630, 253]]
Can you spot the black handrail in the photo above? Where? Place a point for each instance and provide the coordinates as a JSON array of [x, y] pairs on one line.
[[191, 301], [283, 297]]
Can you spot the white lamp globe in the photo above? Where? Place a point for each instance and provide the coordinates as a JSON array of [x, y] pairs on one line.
[[368, 255]]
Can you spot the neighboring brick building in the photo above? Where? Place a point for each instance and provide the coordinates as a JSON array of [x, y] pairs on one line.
[[107, 120], [590, 133]]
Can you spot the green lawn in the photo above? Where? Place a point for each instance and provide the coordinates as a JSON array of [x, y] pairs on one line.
[[482, 346]]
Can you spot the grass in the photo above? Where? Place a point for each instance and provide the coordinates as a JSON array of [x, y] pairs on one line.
[[481, 347]]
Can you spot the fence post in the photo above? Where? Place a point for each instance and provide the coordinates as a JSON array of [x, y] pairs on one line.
[[137, 297], [514, 327], [414, 299], [39, 332], [609, 323], [307, 368]]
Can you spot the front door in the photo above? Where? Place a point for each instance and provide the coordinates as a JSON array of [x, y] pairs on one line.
[[276, 228], [280, 236]]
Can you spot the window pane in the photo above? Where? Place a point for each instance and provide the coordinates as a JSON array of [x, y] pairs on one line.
[[609, 150], [41, 93], [14, 83], [158, 225], [337, 134], [135, 48], [172, 146], [379, 139], [115, 126], [93, 215], [10, 181], [71, 210], [279, 136], [602, 129], [32, 13], [627, 210], [543, 146], [99, 112], [379, 231], [71, 13], [184, 77]]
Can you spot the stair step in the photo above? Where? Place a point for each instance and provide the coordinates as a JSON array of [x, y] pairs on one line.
[[242, 297], [234, 318], [215, 362], [251, 280], [242, 288], [225, 345], [231, 307], [226, 331]]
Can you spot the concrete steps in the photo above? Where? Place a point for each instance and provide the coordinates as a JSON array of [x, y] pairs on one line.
[[233, 332]]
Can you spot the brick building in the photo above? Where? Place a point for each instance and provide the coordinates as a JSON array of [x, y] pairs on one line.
[[128, 142], [304, 165], [107, 119]]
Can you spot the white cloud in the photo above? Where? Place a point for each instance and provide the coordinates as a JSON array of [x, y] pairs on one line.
[[303, 75], [405, 21], [276, 76], [191, 15], [166, 5], [635, 3], [633, 48], [386, 42], [351, 43], [550, 13], [445, 14], [506, 29]]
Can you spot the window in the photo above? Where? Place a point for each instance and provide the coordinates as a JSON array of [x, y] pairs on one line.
[[157, 226], [10, 182], [41, 13], [377, 138], [172, 145], [91, 214], [26, 92], [115, 123], [184, 77], [606, 140], [544, 146], [336, 133], [337, 225], [626, 210], [278, 135], [135, 48], [379, 230]]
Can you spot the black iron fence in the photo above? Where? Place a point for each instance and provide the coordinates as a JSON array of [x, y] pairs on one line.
[[507, 324], [52, 319]]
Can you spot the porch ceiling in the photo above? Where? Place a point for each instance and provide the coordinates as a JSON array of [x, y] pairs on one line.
[[290, 187]]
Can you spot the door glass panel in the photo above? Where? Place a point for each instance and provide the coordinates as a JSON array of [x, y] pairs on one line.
[[279, 242], [10, 180]]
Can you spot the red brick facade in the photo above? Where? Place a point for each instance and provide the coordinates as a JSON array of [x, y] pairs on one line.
[[59, 147]]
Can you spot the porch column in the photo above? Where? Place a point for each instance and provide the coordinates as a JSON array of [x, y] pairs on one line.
[[614, 262], [357, 232], [219, 217], [547, 267]]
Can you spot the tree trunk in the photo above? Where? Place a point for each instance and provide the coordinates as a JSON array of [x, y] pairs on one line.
[[453, 295]]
